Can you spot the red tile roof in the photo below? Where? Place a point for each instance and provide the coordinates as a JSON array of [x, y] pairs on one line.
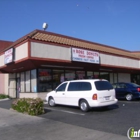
[[4, 44], [45, 36]]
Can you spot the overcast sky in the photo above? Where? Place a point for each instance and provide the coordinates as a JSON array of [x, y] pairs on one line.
[[110, 22]]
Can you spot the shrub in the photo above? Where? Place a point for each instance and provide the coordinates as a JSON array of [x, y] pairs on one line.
[[29, 105], [3, 96]]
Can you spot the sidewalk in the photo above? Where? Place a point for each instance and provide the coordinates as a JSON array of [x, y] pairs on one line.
[[15, 126], [4, 99]]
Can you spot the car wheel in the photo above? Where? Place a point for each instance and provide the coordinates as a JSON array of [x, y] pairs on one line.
[[129, 97], [84, 106], [51, 102]]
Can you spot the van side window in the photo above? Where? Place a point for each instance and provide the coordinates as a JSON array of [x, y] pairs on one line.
[[62, 87], [73, 86], [84, 86], [79, 86]]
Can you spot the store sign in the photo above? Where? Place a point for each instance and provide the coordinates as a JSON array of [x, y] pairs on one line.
[[85, 56], [9, 56]]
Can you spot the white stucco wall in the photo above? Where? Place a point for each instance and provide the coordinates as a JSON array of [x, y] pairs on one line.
[[2, 60], [119, 61], [12, 85], [21, 51], [62, 53], [50, 51], [6, 83], [33, 95]]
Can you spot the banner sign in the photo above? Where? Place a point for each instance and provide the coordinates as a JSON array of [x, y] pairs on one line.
[[9, 56], [85, 56]]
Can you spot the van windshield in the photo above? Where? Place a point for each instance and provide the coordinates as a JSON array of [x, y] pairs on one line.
[[103, 85]]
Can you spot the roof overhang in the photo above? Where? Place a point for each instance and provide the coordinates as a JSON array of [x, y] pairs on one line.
[[30, 64]]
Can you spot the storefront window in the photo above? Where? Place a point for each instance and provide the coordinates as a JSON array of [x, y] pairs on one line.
[[96, 75], [89, 74], [22, 82], [69, 75], [58, 77], [27, 81], [45, 80], [104, 75], [138, 79], [80, 74], [115, 77], [33, 81], [135, 78]]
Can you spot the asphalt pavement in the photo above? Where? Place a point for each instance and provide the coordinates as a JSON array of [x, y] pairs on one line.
[[15, 126]]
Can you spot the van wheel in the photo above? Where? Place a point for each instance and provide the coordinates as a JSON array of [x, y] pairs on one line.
[[129, 97], [51, 101], [84, 106]]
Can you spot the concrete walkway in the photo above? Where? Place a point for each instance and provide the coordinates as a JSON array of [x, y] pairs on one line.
[[4, 99], [18, 126]]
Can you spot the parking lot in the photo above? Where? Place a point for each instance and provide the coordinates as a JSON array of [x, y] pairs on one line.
[[117, 119]]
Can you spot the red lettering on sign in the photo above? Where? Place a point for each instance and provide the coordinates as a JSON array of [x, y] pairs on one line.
[[90, 57], [83, 56], [80, 51], [90, 53], [43, 73], [96, 54]]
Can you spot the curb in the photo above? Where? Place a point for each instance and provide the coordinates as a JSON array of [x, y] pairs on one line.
[[45, 102], [4, 99]]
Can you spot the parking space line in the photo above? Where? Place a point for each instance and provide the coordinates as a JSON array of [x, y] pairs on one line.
[[70, 112]]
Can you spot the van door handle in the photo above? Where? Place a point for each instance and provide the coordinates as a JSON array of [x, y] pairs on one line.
[[63, 93]]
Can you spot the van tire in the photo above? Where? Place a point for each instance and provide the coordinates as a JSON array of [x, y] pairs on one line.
[[84, 106], [51, 102]]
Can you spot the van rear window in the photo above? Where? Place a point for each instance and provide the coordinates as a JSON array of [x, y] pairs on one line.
[[103, 85]]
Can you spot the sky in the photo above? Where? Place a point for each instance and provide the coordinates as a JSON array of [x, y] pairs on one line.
[[114, 23]]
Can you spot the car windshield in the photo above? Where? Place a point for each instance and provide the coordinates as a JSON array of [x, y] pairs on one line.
[[103, 85]]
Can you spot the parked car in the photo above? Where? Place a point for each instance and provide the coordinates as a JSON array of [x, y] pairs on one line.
[[83, 93], [128, 91]]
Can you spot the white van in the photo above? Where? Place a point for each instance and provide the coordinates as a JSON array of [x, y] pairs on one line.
[[83, 93]]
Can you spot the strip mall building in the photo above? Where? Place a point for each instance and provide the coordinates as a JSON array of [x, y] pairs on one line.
[[36, 63]]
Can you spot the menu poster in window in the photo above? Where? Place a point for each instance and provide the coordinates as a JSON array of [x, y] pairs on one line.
[[9, 56], [44, 75], [82, 55]]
